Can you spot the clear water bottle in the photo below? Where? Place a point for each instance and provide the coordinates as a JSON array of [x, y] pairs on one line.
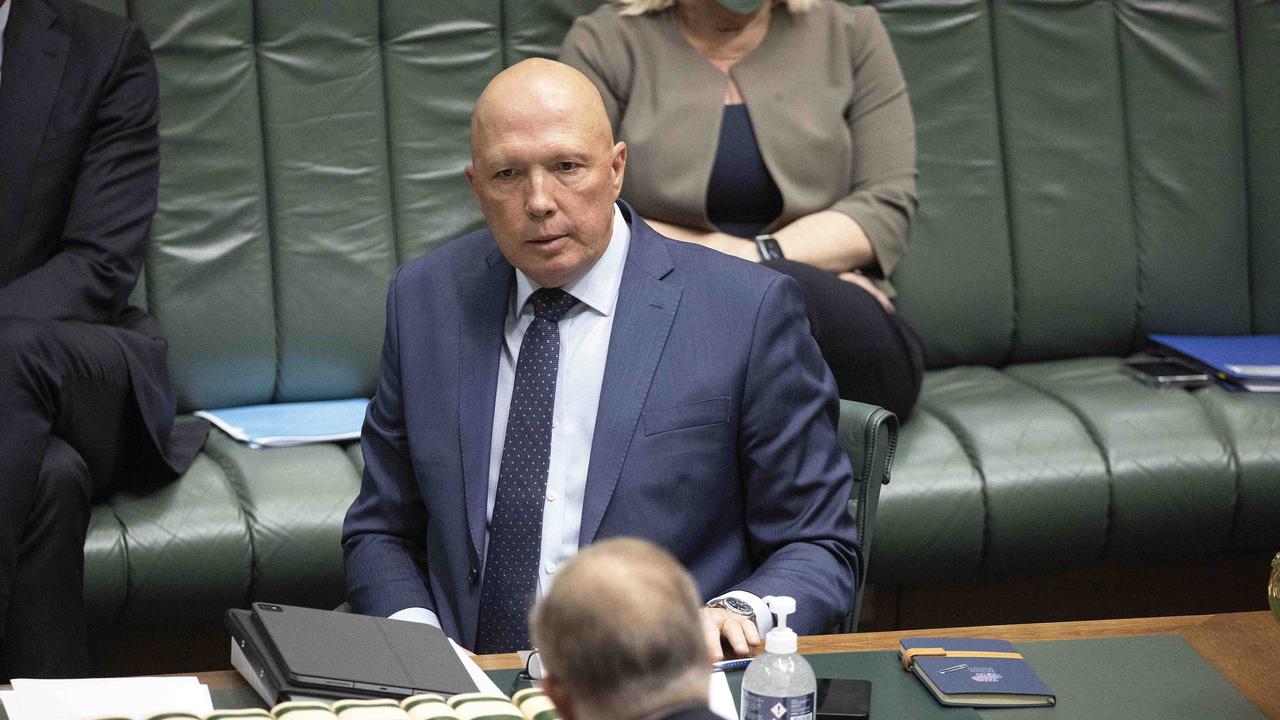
[[779, 683]]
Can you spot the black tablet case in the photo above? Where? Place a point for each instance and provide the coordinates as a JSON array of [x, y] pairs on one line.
[[321, 651]]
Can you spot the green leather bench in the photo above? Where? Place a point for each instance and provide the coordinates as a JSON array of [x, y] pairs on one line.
[[1089, 171]]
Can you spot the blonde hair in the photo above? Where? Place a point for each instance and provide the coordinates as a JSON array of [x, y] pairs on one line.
[[640, 7]]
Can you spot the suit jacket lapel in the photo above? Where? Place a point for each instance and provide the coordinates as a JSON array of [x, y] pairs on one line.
[[480, 341], [34, 55], [646, 307]]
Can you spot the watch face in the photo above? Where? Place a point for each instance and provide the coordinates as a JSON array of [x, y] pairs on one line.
[[735, 605]]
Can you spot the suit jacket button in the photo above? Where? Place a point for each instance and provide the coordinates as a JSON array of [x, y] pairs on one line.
[[474, 575]]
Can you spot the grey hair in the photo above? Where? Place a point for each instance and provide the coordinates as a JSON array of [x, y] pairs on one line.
[[640, 7], [621, 630]]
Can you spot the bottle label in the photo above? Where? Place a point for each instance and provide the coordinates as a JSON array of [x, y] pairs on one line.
[[769, 707]]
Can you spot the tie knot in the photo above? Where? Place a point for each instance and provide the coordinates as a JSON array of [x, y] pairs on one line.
[[551, 303]]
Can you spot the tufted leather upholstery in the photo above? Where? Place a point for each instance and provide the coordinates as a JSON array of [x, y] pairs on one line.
[[1090, 171]]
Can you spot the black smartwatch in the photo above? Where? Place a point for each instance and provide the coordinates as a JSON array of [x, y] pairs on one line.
[[734, 605], [769, 248]]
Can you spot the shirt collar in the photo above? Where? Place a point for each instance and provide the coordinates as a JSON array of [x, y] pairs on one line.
[[598, 287]]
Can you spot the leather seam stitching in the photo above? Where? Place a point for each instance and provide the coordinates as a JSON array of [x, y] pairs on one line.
[[1217, 422], [393, 205], [964, 440], [238, 482], [272, 250], [1012, 340], [1139, 248], [1094, 437]]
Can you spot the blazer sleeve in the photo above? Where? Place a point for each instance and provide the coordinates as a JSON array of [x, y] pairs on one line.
[[101, 250], [882, 199], [593, 46], [386, 526], [797, 478]]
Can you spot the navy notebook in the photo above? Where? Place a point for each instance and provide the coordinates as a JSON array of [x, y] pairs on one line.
[[960, 677]]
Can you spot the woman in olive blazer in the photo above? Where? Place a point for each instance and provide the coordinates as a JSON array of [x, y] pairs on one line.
[[793, 109]]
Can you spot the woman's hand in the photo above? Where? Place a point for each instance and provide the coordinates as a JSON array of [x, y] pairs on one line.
[[827, 239], [865, 283]]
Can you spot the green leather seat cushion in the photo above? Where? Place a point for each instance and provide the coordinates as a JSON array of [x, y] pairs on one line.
[[1043, 466], [293, 500], [188, 549]]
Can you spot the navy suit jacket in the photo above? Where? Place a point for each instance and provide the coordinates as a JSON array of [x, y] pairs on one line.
[[715, 436], [79, 169]]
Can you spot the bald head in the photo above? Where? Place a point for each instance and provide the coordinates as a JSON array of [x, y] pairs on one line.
[[545, 169], [620, 633], [538, 91]]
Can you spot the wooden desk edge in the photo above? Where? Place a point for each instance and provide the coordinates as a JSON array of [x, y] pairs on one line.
[[1215, 637]]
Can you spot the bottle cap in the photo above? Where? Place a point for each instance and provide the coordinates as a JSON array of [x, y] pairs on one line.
[[781, 640]]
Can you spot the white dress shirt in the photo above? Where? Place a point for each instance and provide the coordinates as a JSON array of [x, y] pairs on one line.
[[4, 22], [584, 348]]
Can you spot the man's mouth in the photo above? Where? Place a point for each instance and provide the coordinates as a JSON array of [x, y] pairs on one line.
[[545, 239]]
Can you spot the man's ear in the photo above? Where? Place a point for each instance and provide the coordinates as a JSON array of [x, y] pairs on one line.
[[555, 692], [470, 172], [618, 164]]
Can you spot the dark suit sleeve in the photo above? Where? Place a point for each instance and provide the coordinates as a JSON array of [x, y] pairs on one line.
[[386, 526], [100, 252], [797, 478]]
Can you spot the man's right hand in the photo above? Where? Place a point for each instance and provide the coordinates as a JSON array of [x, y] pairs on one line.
[[720, 626]]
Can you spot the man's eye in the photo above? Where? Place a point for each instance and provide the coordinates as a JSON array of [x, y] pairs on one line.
[[505, 173], [566, 165]]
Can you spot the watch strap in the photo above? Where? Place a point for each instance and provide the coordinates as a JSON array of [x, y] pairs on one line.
[[769, 248]]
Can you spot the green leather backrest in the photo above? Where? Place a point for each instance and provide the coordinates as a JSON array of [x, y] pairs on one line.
[[308, 148], [1260, 53], [1089, 170], [1082, 175]]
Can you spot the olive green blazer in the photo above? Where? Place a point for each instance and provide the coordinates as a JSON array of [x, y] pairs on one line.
[[826, 98]]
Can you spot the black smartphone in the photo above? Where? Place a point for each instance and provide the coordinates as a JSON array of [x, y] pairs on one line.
[[840, 699], [1166, 372]]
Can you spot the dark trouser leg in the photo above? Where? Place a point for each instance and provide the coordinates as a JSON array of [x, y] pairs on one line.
[[873, 354], [48, 637], [69, 380]]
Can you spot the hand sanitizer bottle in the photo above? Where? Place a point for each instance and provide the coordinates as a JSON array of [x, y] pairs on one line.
[[779, 684]]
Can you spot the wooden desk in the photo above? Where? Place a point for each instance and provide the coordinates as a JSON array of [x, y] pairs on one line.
[[1244, 647]]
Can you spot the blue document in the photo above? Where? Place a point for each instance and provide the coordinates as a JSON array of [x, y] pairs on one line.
[[1238, 357], [958, 678], [287, 424]]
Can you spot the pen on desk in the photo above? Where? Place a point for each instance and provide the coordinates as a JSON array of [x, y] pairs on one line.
[[727, 665]]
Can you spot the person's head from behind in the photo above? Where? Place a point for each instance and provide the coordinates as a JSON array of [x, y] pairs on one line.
[[620, 634], [545, 169]]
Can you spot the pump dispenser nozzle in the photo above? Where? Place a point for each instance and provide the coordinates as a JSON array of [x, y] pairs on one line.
[[781, 639]]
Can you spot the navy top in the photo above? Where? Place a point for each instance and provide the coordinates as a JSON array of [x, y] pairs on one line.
[[742, 198]]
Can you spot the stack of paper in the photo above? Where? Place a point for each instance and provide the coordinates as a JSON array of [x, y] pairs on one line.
[[136, 697], [288, 424]]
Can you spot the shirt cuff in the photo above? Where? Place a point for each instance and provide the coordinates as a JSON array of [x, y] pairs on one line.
[[416, 614], [764, 618]]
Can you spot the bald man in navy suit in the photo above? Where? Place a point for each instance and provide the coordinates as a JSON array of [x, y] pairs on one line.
[[568, 374]]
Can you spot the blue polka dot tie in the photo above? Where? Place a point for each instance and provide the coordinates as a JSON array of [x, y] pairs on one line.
[[515, 532]]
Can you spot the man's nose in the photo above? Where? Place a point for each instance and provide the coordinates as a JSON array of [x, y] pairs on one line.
[[538, 200]]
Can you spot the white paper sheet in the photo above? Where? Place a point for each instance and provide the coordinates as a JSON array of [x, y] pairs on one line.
[[722, 702], [482, 681], [84, 699]]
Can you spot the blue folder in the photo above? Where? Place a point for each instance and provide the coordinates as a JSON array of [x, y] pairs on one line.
[[1236, 357], [287, 424]]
